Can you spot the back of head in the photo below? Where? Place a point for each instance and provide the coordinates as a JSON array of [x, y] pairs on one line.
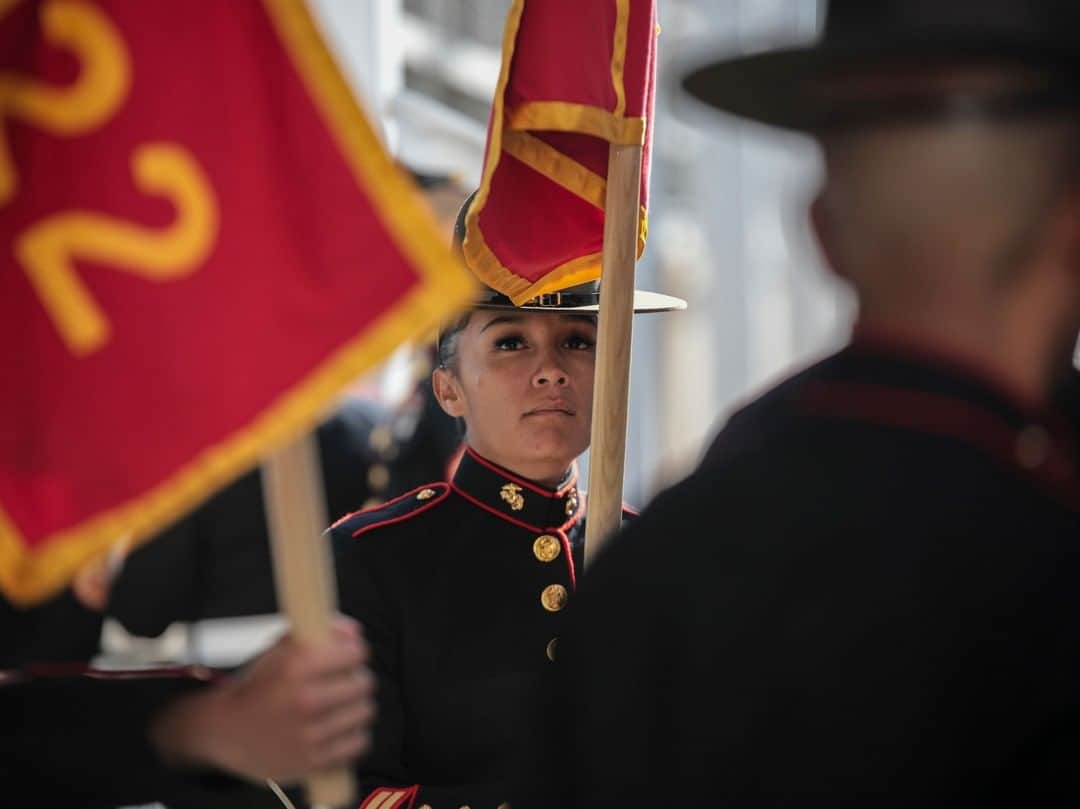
[[912, 206]]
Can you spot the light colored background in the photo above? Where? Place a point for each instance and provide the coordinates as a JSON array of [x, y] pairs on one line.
[[726, 231]]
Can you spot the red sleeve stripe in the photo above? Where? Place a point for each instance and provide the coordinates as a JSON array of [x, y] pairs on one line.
[[391, 798]]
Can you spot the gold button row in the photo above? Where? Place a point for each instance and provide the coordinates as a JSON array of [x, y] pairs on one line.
[[547, 548]]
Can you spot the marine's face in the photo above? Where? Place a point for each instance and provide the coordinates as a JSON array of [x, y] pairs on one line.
[[523, 382]]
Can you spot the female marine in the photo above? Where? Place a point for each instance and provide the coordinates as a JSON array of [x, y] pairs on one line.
[[461, 585]]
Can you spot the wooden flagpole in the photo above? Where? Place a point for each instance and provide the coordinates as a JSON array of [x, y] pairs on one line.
[[611, 390], [304, 571]]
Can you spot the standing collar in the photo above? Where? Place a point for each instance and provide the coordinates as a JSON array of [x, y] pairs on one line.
[[893, 384], [908, 364], [516, 499]]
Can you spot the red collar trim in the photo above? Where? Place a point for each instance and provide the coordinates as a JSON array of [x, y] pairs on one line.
[[536, 529], [480, 504], [551, 494], [897, 343], [934, 414]]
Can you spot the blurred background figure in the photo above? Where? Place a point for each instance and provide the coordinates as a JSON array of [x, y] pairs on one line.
[[66, 629], [215, 563], [866, 594], [203, 591]]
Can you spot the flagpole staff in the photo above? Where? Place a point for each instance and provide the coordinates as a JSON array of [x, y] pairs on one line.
[[611, 389], [304, 571]]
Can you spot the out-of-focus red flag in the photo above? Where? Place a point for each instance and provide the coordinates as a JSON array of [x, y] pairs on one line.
[[202, 242], [576, 77]]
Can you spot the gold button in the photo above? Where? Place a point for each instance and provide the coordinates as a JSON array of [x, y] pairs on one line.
[[553, 598], [547, 548], [425, 494], [425, 806], [378, 477], [551, 648], [381, 438]]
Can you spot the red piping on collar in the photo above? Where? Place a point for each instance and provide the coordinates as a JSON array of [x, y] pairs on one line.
[[561, 530], [527, 526], [940, 416], [548, 493], [497, 513], [912, 346], [925, 412]]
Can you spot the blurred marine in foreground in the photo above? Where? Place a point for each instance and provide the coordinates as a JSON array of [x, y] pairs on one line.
[[868, 590]]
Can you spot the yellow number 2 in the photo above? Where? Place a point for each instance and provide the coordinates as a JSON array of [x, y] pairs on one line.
[[47, 250], [103, 82]]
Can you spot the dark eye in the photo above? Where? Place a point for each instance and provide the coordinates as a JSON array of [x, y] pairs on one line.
[[510, 342], [580, 342]]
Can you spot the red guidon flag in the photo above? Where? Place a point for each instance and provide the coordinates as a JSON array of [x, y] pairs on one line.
[[575, 78], [203, 242]]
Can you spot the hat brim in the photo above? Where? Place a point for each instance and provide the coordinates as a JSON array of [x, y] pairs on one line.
[[773, 86], [644, 303]]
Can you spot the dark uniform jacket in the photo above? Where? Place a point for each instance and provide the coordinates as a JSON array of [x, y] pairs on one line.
[[216, 561], [77, 738], [460, 588], [869, 595]]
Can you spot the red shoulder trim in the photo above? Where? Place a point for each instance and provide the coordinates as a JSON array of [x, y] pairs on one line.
[[383, 504], [442, 491], [628, 509], [391, 798]]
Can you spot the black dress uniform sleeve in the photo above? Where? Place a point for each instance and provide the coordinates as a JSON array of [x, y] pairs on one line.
[[80, 741]]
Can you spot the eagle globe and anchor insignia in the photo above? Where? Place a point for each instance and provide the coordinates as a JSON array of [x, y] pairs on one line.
[[511, 493]]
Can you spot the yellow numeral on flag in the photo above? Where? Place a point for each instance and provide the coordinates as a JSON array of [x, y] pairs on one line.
[[102, 84], [48, 250]]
